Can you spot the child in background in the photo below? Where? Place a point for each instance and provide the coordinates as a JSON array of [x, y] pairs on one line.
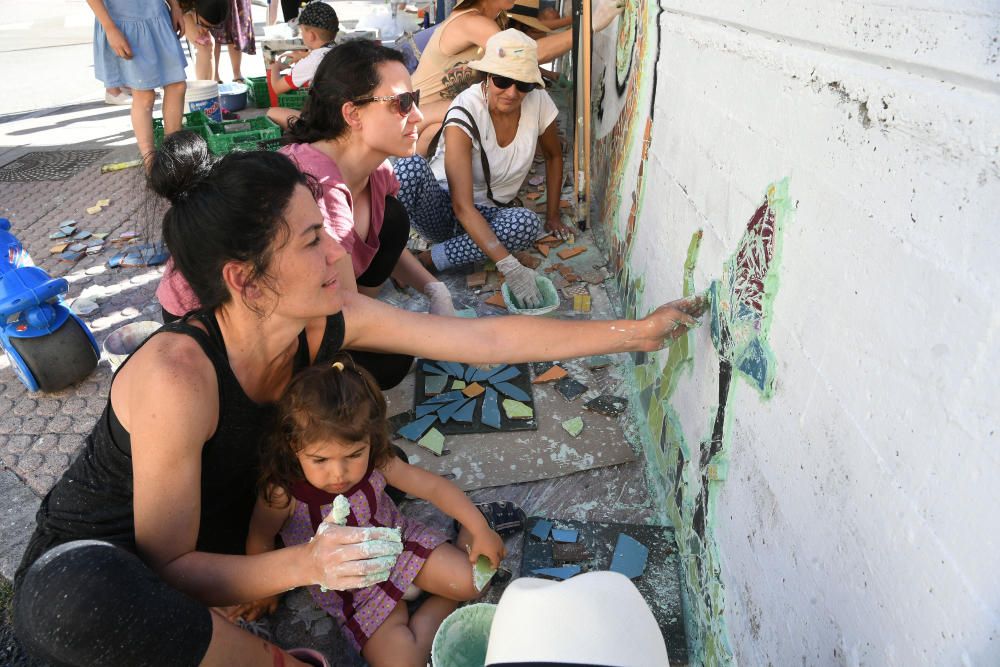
[[136, 44], [331, 440], [318, 26]]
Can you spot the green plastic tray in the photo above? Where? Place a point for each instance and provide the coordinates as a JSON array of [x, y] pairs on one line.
[[257, 91], [295, 99], [222, 137], [196, 121]]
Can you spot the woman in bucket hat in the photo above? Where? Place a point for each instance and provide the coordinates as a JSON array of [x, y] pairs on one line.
[[598, 619], [462, 199], [443, 71]]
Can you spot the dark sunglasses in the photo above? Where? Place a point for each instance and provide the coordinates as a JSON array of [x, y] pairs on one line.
[[403, 104], [505, 82]]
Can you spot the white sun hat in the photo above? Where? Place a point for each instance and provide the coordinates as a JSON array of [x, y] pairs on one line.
[[510, 53], [597, 618]]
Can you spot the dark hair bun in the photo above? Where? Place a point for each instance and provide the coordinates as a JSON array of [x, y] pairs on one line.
[[180, 164]]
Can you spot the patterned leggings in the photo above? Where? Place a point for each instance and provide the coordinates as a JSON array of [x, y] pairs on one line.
[[431, 214]]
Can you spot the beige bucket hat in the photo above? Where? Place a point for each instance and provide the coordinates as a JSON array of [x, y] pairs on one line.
[[510, 53], [597, 618]]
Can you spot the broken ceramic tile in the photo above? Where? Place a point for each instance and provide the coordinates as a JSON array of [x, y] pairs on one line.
[[496, 300], [555, 372], [94, 249], [490, 415], [630, 557], [542, 248], [562, 573], [94, 209], [599, 361], [77, 247], [564, 535], [541, 530], [482, 572], [58, 248], [81, 235], [446, 397], [431, 367], [83, 306], [466, 412], [473, 390], [482, 374], [517, 409], [69, 256], [573, 426], [503, 374], [128, 236], [570, 291], [474, 280], [581, 303], [58, 235], [91, 242], [569, 553], [434, 384], [157, 258], [510, 390], [416, 429], [607, 405], [570, 388], [536, 180], [133, 259], [68, 229], [432, 440], [458, 384], [101, 235], [425, 409], [470, 372], [453, 367], [448, 411], [567, 253], [527, 259], [116, 261], [103, 202]]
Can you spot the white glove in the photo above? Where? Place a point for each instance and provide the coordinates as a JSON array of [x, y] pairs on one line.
[[345, 557], [440, 298], [521, 280], [604, 13]]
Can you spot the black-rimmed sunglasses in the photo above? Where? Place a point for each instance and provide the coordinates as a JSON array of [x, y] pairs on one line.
[[403, 104], [505, 82]]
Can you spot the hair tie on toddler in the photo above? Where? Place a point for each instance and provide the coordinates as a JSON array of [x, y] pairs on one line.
[[338, 365]]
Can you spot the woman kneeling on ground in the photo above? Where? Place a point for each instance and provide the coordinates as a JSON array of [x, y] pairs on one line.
[[462, 199], [361, 109], [147, 529]]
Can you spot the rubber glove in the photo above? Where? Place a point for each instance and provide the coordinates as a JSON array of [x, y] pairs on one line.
[[605, 12], [521, 282], [440, 298]]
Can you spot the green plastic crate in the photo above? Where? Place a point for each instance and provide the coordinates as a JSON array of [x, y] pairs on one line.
[[222, 137], [295, 99], [257, 91], [196, 120], [254, 145]]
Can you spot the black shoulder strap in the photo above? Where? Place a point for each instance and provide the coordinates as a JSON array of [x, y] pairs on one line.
[[474, 131]]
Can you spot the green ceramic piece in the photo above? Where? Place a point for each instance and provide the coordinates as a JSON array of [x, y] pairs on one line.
[[458, 384], [482, 572], [517, 409], [432, 440], [573, 426]]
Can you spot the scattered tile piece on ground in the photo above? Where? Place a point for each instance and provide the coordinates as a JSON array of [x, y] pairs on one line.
[[607, 405], [567, 253], [570, 388], [630, 557], [517, 409], [554, 373], [477, 279], [541, 530], [573, 426], [564, 535], [497, 300], [433, 440]]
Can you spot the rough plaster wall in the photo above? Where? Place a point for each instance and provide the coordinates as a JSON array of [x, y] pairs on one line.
[[857, 523]]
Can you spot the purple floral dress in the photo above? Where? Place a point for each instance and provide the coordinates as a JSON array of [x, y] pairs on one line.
[[361, 612], [237, 29]]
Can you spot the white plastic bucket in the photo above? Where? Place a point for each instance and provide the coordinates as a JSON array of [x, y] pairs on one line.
[[204, 96], [125, 340]]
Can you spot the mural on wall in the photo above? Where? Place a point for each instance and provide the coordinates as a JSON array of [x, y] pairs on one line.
[[624, 95]]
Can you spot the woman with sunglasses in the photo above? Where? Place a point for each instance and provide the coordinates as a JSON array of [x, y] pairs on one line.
[[360, 110], [463, 199]]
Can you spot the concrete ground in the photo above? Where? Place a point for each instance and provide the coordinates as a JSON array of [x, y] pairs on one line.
[[41, 433]]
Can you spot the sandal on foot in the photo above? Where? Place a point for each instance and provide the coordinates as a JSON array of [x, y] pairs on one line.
[[504, 517], [309, 656]]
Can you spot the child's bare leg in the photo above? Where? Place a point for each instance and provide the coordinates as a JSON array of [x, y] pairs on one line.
[[448, 572], [394, 643], [216, 52], [232, 645], [142, 120], [173, 106]]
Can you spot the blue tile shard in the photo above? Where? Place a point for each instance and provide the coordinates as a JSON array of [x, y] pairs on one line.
[[507, 373], [416, 429], [434, 384], [485, 373], [470, 371], [445, 398], [630, 557], [453, 368], [425, 409], [464, 414], [430, 367], [562, 573], [449, 410], [491, 409], [564, 535], [541, 530], [510, 390]]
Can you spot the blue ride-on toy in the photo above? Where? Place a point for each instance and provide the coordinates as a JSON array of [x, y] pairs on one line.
[[48, 346]]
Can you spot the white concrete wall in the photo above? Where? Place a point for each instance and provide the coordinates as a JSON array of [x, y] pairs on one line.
[[859, 521]]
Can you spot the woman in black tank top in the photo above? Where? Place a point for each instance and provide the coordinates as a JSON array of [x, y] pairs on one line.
[[147, 527]]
